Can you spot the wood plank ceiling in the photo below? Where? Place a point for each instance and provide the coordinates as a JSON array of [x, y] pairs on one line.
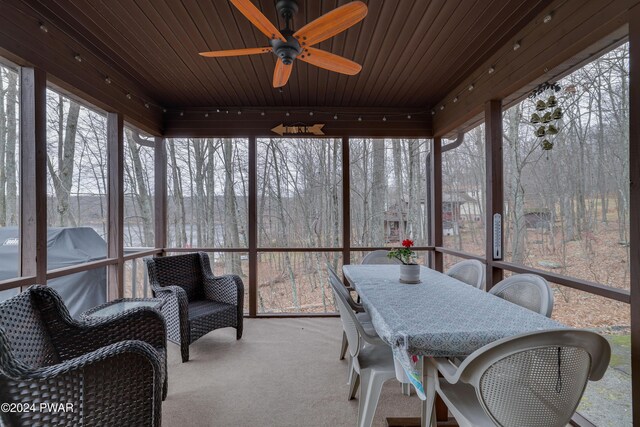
[[413, 52]]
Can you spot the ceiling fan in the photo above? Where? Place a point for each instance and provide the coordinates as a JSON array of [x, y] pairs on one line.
[[288, 44]]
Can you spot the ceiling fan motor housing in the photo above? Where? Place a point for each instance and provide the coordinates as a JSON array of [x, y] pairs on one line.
[[287, 8], [286, 51]]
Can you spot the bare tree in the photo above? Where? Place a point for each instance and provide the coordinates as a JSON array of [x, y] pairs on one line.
[[139, 184], [62, 172]]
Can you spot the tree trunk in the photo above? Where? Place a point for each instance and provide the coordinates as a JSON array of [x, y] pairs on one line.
[[399, 188], [142, 194], [62, 176], [178, 198], [378, 193], [210, 213], [283, 224], [3, 142], [516, 164], [198, 197], [231, 236], [601, 178], [10, 150]]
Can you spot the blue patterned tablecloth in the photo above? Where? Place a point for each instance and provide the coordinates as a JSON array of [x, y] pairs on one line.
[[439, 317]]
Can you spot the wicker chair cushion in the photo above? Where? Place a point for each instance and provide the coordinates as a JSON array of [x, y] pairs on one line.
[[205, 308], [181, 270], [27, 334], [206, 315]]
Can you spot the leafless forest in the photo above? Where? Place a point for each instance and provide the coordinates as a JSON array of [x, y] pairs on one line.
[[566, 209]]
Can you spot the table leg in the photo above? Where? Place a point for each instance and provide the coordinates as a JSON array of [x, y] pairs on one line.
[[433, 408], [406, 389], [429, 376], [442, 412]]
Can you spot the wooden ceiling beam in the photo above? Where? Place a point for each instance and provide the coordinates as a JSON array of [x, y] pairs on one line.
[[193, 123]]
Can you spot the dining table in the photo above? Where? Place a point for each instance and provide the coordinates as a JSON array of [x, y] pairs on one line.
[[438, 317]]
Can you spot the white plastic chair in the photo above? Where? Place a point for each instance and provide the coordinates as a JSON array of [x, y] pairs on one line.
[[530, 380], [363, 317], [372, 359], [470, 271], [379, 257], [526, 290]]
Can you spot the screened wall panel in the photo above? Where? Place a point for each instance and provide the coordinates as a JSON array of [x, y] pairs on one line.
[[76, 182], [139, 188], [567, 206], [207, 192], [9, 174], [463, 194], [388, 191], [299, 192], [296, 282]]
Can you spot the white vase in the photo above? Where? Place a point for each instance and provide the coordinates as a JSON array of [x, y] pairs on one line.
[[410, 273]]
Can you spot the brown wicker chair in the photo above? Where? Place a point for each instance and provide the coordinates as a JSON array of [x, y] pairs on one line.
[[196, 301], [111, 371]]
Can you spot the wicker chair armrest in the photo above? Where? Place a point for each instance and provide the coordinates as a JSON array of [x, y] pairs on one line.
[[175, 310], [131, 349], [143, 324], [127, 371], [169, 292], [227, 288]]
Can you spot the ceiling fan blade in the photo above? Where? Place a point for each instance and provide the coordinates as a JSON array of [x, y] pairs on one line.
[[236, 52], [332, 23], [253, 14], [281, 74], [329, 61]]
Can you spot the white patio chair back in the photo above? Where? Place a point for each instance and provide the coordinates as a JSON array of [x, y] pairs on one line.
[[342, 289], [372, 359], [350, 323], [379, 257], [361, 316], [527, 290], [535, 379], [470, 271]]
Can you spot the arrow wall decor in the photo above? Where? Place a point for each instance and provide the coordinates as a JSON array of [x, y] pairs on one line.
[[281, 129]]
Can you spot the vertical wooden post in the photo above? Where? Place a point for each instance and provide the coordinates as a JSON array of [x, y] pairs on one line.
[[634, 205], [346, 202], [253, 227], [33, 174], [115, 197], [436, 202], [160, 192], [494, 187]]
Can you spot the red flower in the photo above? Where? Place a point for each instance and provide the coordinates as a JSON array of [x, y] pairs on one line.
[[407, 243]]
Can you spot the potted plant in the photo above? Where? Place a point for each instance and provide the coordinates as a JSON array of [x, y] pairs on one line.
[[409, 270]]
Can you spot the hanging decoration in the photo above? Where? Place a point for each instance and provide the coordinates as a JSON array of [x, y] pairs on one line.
[[546, 119]]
